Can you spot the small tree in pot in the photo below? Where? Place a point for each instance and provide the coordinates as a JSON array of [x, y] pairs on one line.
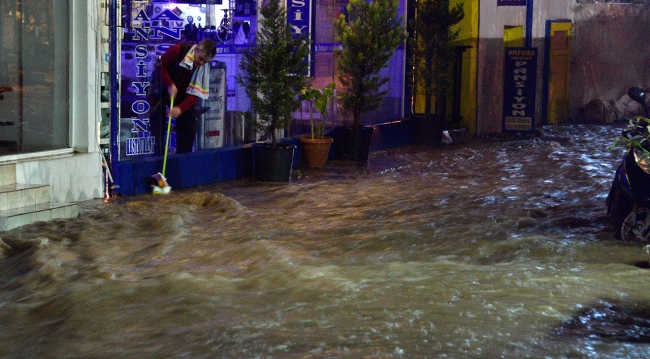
[[433, 55], [368, 37], [272, 74]]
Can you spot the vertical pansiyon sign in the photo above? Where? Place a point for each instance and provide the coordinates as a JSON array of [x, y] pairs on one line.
[[519, 89], [148, 35], [299, 15]]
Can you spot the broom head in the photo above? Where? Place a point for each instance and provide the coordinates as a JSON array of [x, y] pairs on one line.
[[159, 190], [161, 181], [161, 186]]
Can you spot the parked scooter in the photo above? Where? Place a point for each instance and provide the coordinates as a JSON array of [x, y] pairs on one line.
[[628, 203]]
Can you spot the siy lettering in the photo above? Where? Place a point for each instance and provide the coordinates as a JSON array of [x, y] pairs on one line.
[[298, 30]]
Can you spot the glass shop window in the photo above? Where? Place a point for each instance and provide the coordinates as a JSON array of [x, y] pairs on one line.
[[34, 59], [150, 28]]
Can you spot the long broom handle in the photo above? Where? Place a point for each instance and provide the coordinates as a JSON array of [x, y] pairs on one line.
[[169, 128]]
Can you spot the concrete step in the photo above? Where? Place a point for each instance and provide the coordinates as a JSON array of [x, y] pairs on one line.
[[22, 204], [14, 196], [12, 218], [7, 174]]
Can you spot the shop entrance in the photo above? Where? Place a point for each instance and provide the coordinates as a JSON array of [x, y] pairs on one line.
[[558, 46]]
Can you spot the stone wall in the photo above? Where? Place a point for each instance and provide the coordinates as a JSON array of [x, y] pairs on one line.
[[610, 54], [639, 2]]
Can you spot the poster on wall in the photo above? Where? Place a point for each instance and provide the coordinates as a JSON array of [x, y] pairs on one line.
[[519, 87], [211, 122], [511, 2], [245, 7]]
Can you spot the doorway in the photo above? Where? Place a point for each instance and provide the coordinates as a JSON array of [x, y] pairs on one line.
[[557, 65]]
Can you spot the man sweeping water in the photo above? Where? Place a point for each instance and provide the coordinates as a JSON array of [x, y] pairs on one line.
[[184, 73]]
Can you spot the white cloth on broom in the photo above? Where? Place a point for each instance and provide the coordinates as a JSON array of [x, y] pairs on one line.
[[200, 83]]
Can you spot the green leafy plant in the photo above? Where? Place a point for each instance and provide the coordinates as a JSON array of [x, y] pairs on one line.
[[272, 70], [433, 52], [368, 38], [638, 126], [320, 99]]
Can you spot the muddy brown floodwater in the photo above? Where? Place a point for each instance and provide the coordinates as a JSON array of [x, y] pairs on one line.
[[490, 249]]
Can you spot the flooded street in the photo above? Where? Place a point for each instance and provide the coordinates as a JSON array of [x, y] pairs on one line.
[[481, 250]]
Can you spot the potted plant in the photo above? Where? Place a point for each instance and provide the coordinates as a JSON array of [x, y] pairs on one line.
[[316, 147], [368, 36], [272, 77], [431, 43]]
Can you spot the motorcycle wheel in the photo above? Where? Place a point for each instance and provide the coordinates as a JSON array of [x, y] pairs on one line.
[[636, 226], [617, 210]]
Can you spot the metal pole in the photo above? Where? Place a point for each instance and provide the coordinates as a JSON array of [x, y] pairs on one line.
[[18, 41], [112, 71], [529, 23]]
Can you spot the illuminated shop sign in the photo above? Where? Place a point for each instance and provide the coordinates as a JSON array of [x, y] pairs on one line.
[[327, 47], [299, 13], [511, 2], [150, 33], [519, 89]]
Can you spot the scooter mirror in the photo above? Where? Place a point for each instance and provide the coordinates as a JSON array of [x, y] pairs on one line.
[[638, 95]]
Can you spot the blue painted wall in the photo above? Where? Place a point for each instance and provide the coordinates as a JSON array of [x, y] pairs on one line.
[[210, 166]]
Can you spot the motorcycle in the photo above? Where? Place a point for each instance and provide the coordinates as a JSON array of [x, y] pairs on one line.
[[628, 202]]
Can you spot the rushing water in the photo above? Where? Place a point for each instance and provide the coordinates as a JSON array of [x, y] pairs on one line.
[[490, 249]]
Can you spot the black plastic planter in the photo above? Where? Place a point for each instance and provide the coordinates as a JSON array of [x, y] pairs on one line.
[[352, 143], [272, 163], [426, 132]]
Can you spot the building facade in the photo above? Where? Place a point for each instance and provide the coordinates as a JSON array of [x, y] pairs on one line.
[[73, 76], [586, 51], [149, 27], [49, 100]]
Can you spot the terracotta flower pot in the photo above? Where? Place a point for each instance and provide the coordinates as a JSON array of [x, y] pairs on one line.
[[316, 151]]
